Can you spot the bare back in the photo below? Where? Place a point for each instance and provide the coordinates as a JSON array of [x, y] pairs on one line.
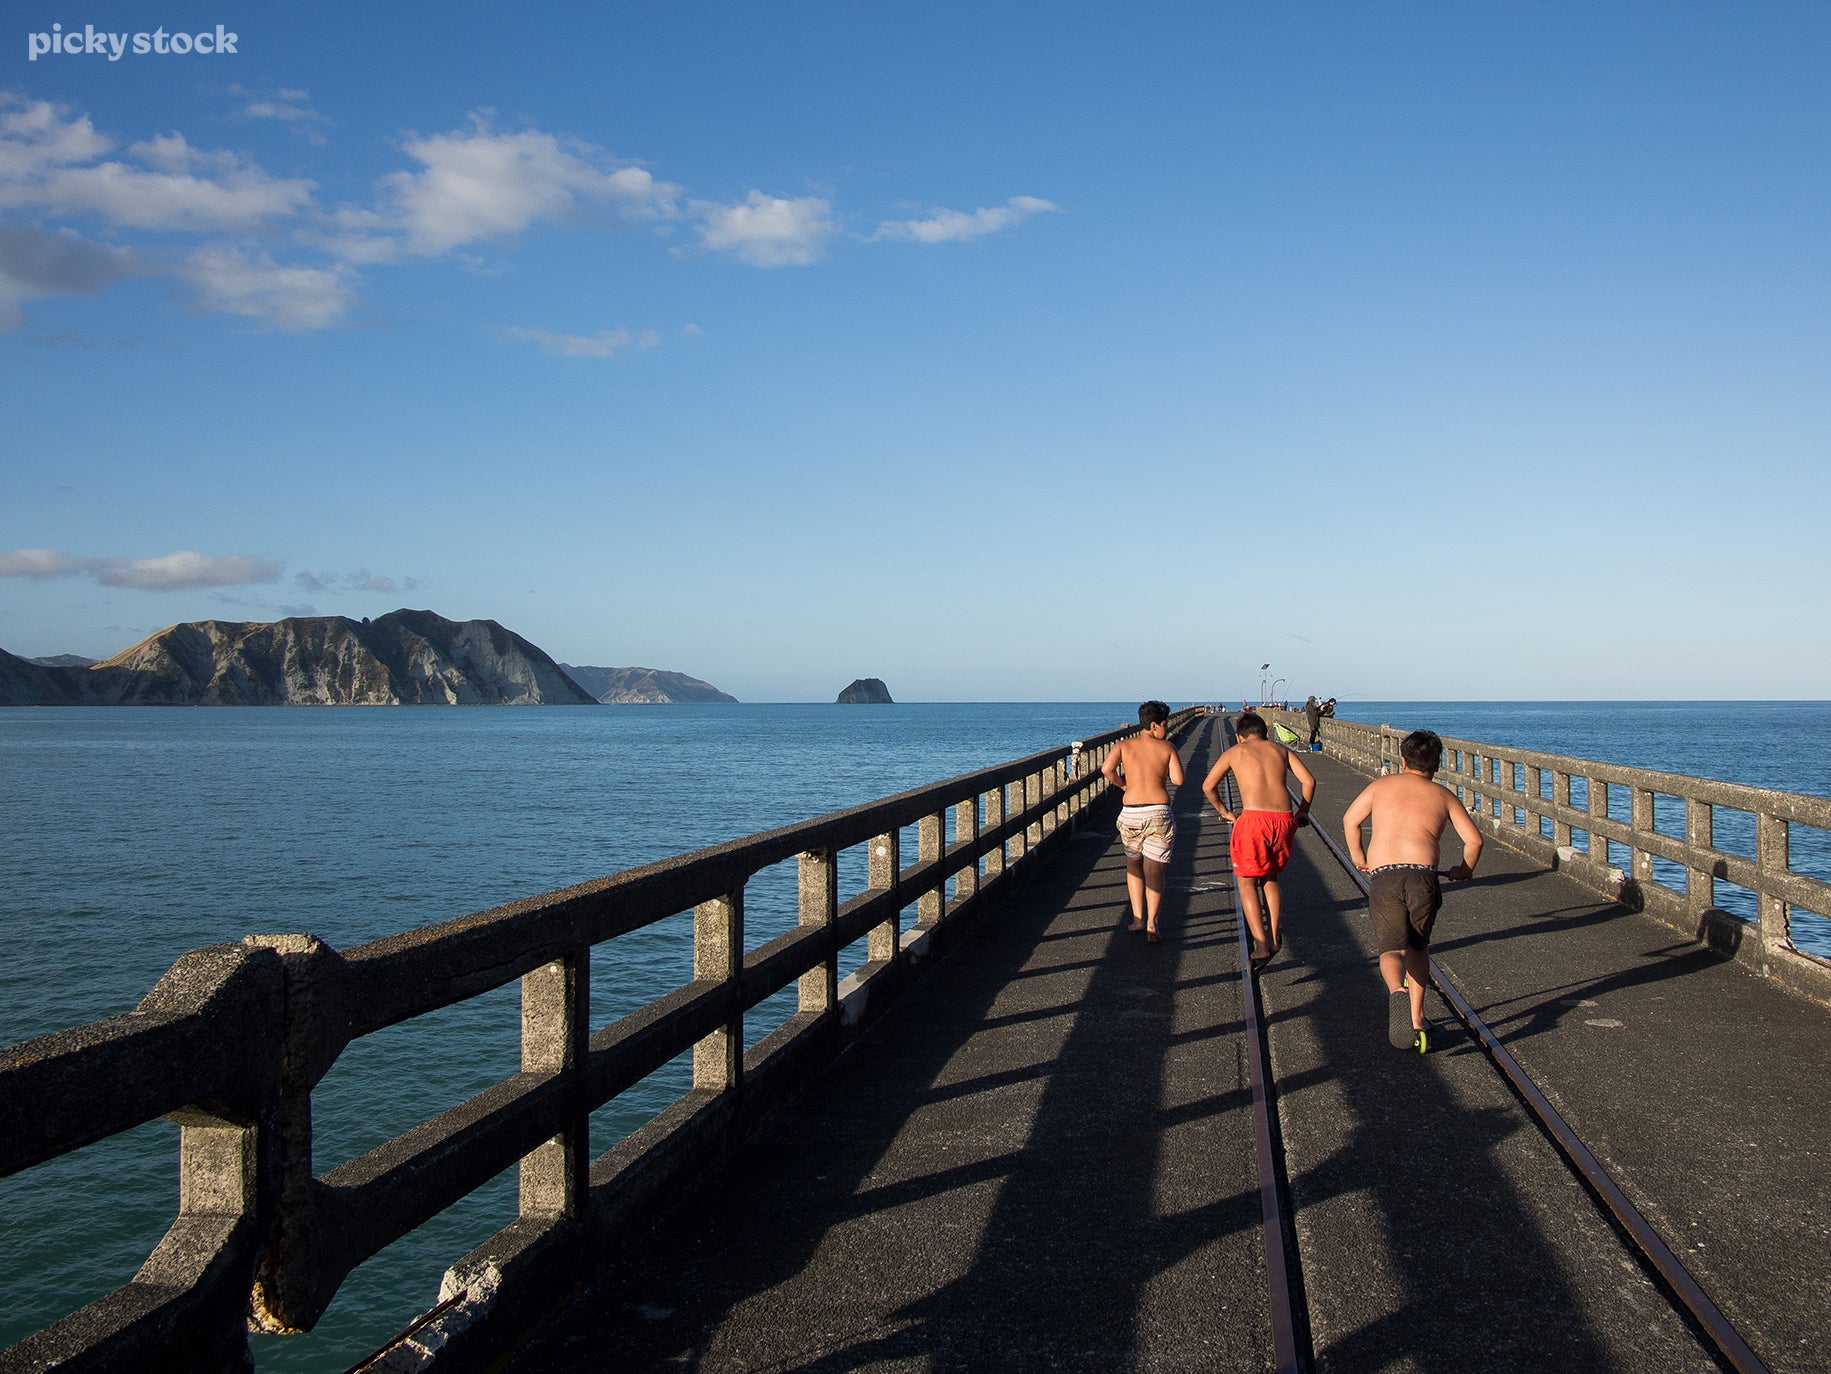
[[1409, 814], [1261, 769], [1151, 767]]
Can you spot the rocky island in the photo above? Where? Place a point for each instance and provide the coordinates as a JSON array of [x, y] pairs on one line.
[[866, 691]]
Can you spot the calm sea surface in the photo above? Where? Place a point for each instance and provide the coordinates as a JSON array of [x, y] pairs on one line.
[[130, 836]]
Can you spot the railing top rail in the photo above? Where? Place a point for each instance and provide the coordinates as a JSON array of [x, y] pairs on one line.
[[835, 830]]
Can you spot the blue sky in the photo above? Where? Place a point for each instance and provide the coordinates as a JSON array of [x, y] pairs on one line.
[[1000, 351]]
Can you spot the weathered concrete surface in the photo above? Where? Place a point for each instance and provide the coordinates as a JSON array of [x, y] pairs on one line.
[[1040, 1159], [1697, 1084]]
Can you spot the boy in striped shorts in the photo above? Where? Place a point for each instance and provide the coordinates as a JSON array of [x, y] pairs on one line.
[[1146, 827]]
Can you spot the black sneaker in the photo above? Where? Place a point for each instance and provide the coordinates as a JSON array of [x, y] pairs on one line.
[[1399, 1029]]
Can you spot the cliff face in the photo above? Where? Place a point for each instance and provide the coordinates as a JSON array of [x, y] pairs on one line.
[[25, 683], [642, 686], [403, 658], [866, 691]]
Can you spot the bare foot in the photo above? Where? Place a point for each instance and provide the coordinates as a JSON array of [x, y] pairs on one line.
[[1261, 954], [1152, 937], [1136, 924]]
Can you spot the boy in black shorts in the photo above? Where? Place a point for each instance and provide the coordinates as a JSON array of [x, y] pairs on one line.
[[1409, 813]]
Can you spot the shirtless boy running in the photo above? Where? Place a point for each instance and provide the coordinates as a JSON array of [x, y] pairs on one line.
[[1146, 827], [1409, 813], [1264, 826]]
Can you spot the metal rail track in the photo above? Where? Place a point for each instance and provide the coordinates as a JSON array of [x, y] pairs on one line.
[[1685, 1289], [1284, 1277]]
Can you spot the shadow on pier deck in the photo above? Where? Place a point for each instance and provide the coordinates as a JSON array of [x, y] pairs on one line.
[[1042, 1157]]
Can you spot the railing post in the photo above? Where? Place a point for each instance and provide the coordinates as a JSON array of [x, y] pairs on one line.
[[1052, 787], [931, 844], [819, 903], [881, 865], [1598, 806], [1642, 858], [1014, 807], [555, 1022], [718, 954], [1033, 796], [966, 830], [1700, 833], [1772, 859], [994, 817], [1535, 781], [1560, 797]]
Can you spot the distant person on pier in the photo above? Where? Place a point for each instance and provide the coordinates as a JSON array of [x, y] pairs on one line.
[[1409, 813], [1264, 826], [1312, 715], [1151, 768], [1328, 709]]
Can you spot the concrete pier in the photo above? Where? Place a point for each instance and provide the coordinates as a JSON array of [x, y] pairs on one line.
[[1043, 1160]]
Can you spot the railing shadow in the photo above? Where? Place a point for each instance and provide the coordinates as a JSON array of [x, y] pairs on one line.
[[1006, 1126]]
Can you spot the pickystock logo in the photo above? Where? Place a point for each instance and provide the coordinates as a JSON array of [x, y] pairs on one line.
[[90, 41]]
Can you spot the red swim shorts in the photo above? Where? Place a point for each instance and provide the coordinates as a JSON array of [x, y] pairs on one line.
[[1261, 843]]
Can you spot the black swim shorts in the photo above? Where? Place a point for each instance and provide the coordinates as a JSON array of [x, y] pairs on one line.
[[1403, 900]]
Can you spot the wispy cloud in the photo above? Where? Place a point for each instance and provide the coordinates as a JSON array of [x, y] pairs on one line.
[[184, 570], [289, 107], [604, 344], [950, 226], [263, 247], [253, 284], [768, 231], [362, 580]]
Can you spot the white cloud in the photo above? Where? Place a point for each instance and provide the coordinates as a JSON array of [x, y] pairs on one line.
[[478, 184], [768, 231], [184, 570], [947, 226], [47, 163], [604, 344], [36, 136], [293, 298]]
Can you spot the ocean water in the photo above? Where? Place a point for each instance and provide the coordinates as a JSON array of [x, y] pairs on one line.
[[131, 836]]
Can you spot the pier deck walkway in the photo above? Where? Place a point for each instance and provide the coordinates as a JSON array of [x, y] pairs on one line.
[[1042, 1157]]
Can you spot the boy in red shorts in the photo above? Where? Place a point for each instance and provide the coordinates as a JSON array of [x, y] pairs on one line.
[[1265, 824]]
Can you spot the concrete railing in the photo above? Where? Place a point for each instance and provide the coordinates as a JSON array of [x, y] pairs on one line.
[[1524, 798], [232, 1041]]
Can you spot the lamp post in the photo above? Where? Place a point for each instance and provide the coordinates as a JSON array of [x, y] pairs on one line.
[[1276, 683], [1263, 667]]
